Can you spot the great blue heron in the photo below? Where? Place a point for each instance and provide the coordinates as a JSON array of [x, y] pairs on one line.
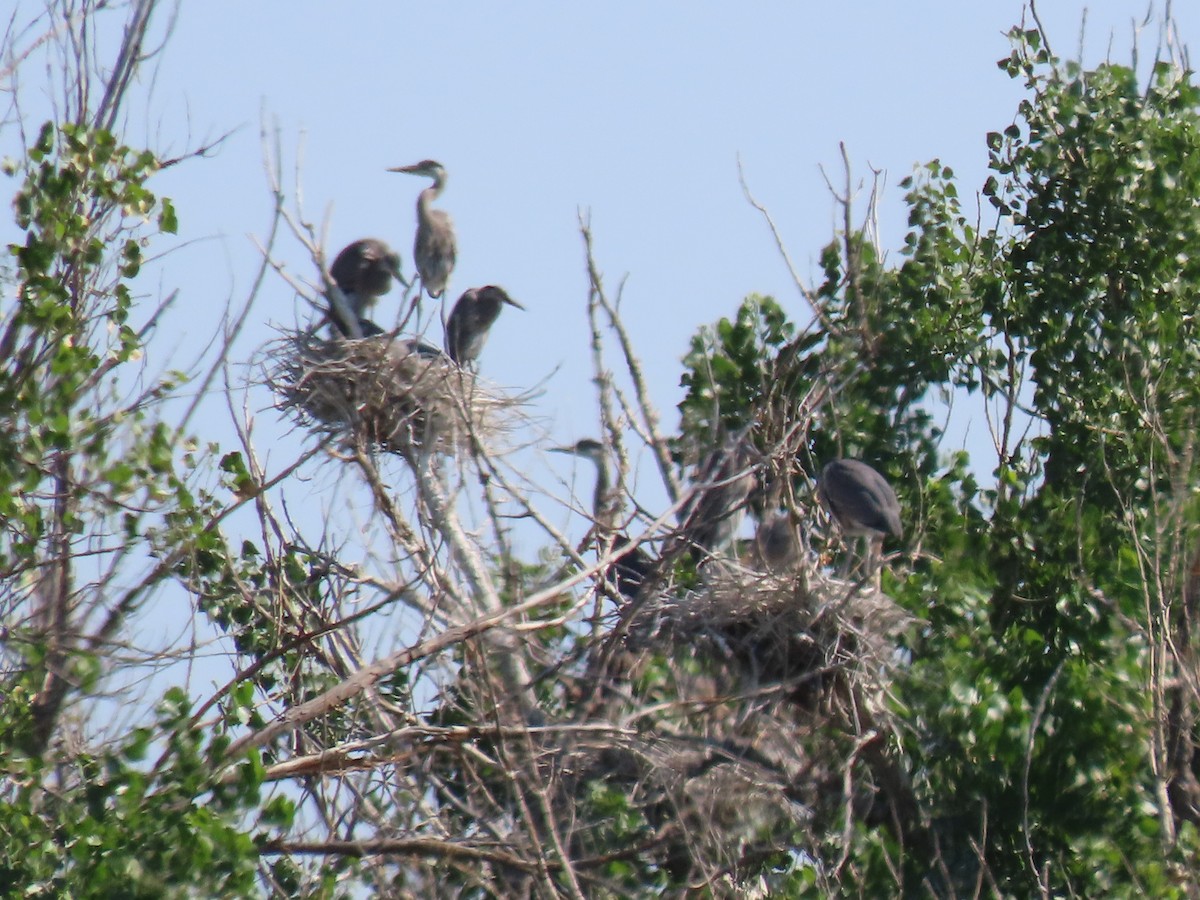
[[434, 248], [363, 271], [722, 484], [631, 569], [472, 316], [862, 503]]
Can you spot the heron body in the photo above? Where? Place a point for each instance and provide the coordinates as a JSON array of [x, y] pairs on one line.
[[859, 499], [434, 249], [632, 568], [363, 271], [723, 483], [777, 543], [861, 502], [473, 315]]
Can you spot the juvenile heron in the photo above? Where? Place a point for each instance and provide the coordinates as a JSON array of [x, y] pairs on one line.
[[631, 569], [472, 317], [777, 544], [363, 271], [862, 503], [434, 249], [723, 483]]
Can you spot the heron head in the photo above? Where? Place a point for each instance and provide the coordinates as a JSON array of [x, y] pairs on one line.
[[588, 448], [428, 167], [496, 293]]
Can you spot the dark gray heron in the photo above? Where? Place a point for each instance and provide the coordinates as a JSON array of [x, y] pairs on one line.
[[862, 503], [363, 272], [472, 317], [434, 249], [631, 569], [722, 485]]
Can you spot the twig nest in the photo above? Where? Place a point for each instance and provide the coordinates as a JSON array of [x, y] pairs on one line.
[[386, 392], [805, 627]]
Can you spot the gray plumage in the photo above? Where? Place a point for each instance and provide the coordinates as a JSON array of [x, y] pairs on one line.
[[472, 317], [778, 543], [363, 271], [434, 249], [631, 569], [859, 499]]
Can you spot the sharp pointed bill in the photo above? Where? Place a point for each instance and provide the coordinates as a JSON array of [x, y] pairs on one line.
[[471, 319], [435, 248], [634, 567]]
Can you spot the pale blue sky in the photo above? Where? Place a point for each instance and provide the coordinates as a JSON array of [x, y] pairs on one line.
[[634, 111]]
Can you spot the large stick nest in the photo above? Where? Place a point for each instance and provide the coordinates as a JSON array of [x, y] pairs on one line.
[[803, 628], [383, 392]]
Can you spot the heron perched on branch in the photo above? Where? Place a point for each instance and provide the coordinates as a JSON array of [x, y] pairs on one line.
[[472, 317], [862, 503], [723, 483], [363, 272], [631, 569], [434, 249]]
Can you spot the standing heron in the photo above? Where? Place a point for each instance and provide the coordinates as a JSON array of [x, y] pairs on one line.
[[363, 272], [723, 484], [632, 568], [472, 316], [434, 249], [862, 503]]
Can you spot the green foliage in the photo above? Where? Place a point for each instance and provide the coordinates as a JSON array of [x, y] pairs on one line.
[[114, 827], [1050, 600], [88, 475]]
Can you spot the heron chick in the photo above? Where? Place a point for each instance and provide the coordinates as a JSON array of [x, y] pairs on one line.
[[471, 319], [363, 272], [434, 249]]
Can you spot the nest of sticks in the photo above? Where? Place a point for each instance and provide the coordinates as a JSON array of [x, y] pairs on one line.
[[383, 392], [804, 629]]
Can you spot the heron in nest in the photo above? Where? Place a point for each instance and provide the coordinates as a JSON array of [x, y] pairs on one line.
[[434, 249], [777, 544], [862, 503], [471, 319], [631, 569], [363, 272]]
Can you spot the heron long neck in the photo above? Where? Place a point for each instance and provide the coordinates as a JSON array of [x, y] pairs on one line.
[[601, 499], [430, 194]]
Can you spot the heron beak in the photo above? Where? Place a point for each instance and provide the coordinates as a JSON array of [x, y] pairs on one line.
[[408, 170], [570, 450], [511, 302]]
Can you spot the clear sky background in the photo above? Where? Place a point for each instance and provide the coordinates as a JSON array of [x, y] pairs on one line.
[[634, 112]]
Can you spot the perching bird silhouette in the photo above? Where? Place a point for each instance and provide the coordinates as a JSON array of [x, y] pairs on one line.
[[434, 248], [722, 485], [862, 503], [363, 271], [469, 322], [632, 569]]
